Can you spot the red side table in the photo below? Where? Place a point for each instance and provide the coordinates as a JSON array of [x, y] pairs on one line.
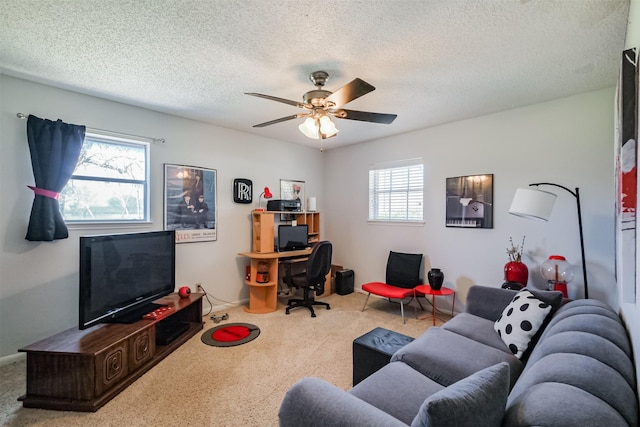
[[426, 290]]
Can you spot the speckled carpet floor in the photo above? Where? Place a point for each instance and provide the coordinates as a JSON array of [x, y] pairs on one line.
[[200, 385]]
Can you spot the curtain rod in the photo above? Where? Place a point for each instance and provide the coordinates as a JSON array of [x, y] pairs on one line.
[[22, 116]]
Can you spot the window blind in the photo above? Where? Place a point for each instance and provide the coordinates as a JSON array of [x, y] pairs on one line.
[[396, 192]]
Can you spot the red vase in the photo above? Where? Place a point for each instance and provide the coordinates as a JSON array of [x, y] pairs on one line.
[[516, 272]]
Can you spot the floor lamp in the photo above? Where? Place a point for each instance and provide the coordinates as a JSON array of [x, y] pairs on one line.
[[537, 204]]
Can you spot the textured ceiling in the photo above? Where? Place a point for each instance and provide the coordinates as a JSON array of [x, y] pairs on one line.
[[431, 61]]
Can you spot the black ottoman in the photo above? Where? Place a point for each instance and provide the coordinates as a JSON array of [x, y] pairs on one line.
[[373, 350]]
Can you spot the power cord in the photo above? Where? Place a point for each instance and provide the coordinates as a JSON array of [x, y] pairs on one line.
[[206, 296], [215, 318]]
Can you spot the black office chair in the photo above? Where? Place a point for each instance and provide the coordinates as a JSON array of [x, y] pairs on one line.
[[312, 279]]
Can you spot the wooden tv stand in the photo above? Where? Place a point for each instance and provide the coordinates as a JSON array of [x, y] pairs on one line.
[[82, 370]]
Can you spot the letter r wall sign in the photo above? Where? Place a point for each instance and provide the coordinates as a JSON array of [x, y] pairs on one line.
[[242, 190]]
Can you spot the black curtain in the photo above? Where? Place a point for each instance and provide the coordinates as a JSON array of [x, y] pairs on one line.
[[55, 148]]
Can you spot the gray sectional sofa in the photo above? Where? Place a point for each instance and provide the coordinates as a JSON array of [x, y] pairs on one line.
[[577, 371]]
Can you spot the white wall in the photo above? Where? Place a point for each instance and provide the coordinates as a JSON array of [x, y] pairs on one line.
[[38, 281], [567, 141]]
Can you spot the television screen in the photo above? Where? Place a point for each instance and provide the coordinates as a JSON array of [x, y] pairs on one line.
[[292, 238], [121, 274]]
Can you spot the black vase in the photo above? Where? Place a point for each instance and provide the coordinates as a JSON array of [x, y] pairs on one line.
[[436, 278]]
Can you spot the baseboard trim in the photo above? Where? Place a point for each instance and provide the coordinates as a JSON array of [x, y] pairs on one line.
[[211, 310]]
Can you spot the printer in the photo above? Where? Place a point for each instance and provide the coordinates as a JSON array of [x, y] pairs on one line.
[[284, 205]]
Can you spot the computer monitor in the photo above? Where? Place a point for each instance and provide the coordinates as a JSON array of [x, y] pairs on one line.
[[292, 238]]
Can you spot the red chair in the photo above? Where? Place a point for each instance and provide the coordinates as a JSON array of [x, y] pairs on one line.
[[403, 275]]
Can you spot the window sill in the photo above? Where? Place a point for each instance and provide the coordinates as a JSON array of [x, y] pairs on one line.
[[397, 223], [108, 225]]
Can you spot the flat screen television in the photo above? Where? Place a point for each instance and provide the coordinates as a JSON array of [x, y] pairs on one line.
[[292, 238], [122, 274]]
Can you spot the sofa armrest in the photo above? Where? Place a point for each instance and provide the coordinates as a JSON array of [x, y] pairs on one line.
[[488, 302], [315, 402]]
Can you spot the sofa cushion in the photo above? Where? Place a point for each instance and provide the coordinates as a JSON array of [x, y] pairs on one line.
[[586, 344], [397, 390], [476, 328], [444, 356], [582, 375], [603, 326], [555, 404], [479, 399], [520, 321], [585, 306], [313, 402]]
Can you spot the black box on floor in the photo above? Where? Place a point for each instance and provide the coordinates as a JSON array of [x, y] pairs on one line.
[[344, 282], [373, 350]]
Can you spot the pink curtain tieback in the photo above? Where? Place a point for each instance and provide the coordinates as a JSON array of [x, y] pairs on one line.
[[45, 193]]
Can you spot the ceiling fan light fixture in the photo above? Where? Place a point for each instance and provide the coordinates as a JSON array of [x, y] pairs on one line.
[[320, 105], [321, 128], [309, 128], [327, 127]]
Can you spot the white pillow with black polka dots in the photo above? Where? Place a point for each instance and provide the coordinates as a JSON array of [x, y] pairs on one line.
[[520, 321]]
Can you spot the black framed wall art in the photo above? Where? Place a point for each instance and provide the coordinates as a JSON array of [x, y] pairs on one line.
[[190, 206], [469, 201], [242, 191]]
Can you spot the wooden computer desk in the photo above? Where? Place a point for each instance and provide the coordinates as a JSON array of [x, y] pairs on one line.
[[263, 297]]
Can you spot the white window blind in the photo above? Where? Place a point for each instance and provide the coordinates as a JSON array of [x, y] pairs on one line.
[[396, 192]]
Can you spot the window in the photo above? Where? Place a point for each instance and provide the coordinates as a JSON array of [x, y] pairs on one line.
[[110, 182], [396, 191]]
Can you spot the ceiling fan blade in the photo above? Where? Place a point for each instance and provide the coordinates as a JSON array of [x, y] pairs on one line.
[[281, 119], [365, 116], [275, 98], [347, 93]]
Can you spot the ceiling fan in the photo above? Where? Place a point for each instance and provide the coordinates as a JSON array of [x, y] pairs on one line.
[[321, 104]]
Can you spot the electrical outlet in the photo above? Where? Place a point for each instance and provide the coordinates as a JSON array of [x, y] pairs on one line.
[[199, 287]]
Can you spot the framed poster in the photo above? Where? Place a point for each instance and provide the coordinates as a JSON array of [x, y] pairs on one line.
[[626, 157], [470, 201], [291, 190], [190, 206]]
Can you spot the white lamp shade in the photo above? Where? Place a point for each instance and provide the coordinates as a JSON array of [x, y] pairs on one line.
[[532, 203], [327, 127], [311, 125], [309, 128]]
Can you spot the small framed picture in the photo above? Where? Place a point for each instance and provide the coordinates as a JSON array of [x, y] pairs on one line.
[[242, 191], [190, 206], [470, 201], [292, 190]]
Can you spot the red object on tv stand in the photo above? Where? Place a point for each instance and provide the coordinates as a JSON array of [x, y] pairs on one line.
[[184, 292], [160, 313]]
